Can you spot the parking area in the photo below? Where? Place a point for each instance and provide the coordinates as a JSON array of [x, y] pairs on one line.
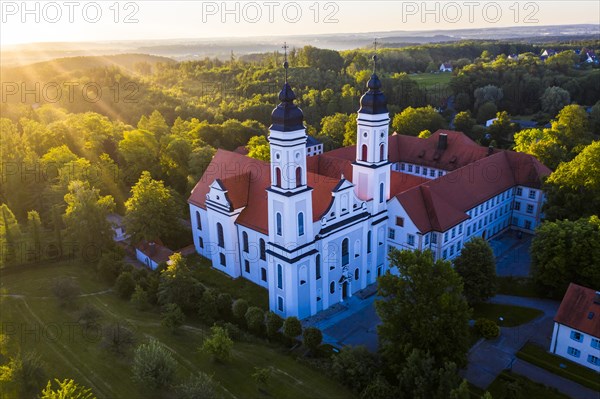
[[511, 250]]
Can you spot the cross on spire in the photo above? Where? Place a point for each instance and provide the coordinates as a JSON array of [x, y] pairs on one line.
[[285, 63], [375, 55]]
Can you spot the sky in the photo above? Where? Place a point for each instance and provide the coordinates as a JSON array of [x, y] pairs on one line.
[[110, 20]]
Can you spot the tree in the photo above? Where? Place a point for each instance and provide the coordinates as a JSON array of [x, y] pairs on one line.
[[273, 324], [502, 129], [88, 317], [199, 160], [24, 371], [573, 128], [172, 317], [65, 290], [554, 99], [487, 94], [140, 149], [543, 144], [34, 232], [486, 112], [85, 218], [155, 124], [255, 319], [411, 121], [463, 122], [10, 235], [573, 189], [117, 338], [379, 388], [152, 210], [140, 298], [177, 285], [110, 267], [153, 365], [66, 389], [595, 118], [422, 377], [334, 127], [207, 310], [292, 327], [258, 148], [312, 338], [566, 251], [425, 134], [125, 285], [422, 308], [219, 345], [239, 308], [224, 305], [355, 367], [199, 385], [477, 267]]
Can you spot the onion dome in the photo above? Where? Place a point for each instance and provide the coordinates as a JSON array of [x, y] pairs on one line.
[[373, 101], [287, 117]]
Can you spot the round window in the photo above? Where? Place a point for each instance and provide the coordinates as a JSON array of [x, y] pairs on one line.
[[365, 134], [277, 156]]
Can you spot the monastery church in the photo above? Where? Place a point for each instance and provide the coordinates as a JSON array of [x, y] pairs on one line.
[[314, 230]]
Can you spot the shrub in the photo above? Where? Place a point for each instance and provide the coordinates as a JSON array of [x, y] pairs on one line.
[[312, 338], [239, 308], [117, 338], [292, 327], [200, 385], [255, 319], [273, 324], [219, 344], [207, 310], [88, 316], [66, 389], [125, 285], [153, 365], [139, 299], [487, 328], [172, 317], [110, 267], [65, 290], [224, 305]]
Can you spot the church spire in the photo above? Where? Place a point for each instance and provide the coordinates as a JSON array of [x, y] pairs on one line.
[[287, 117], [373, 101]]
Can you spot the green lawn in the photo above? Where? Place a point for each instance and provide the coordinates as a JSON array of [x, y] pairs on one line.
[[540, 357], [35, 322], [426, 80], [237, 288], [512, 315], [519, 286], [500, 388]]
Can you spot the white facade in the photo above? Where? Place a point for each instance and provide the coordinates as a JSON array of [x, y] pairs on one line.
[[576, 346]]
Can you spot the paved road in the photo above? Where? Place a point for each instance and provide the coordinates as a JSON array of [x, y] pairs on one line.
[[488, 358]]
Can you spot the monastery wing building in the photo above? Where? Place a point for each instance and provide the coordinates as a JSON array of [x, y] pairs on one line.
[[315, 230]]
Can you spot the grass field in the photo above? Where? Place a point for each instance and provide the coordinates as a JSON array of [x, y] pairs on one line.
[[540, 357], [426, 80], [512, 315], [32, 318], [525, 388]]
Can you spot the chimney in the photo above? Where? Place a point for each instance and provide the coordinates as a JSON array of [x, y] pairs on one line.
[[597, 298], [152, 247], [443, 142], [490, 150]]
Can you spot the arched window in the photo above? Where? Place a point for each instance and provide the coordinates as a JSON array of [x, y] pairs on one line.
[[345, 255], [382, 152], [278, 222], [369, 242], [245, 240], [220, 238], [198, 220], [356, 275], [318, 267], [332, 287], [364, 151], [298, 176], [277, 177], [381, 193], [279, 276], [263, 249], [301, 224]]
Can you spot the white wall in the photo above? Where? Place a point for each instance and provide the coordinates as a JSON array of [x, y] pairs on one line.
[[561, 341]]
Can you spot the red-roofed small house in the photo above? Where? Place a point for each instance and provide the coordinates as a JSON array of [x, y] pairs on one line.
[[152, 253], [576, 334]]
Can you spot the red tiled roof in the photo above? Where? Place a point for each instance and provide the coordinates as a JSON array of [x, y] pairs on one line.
[[442, 203], [246, 180], [159, 254], [575, 309]]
